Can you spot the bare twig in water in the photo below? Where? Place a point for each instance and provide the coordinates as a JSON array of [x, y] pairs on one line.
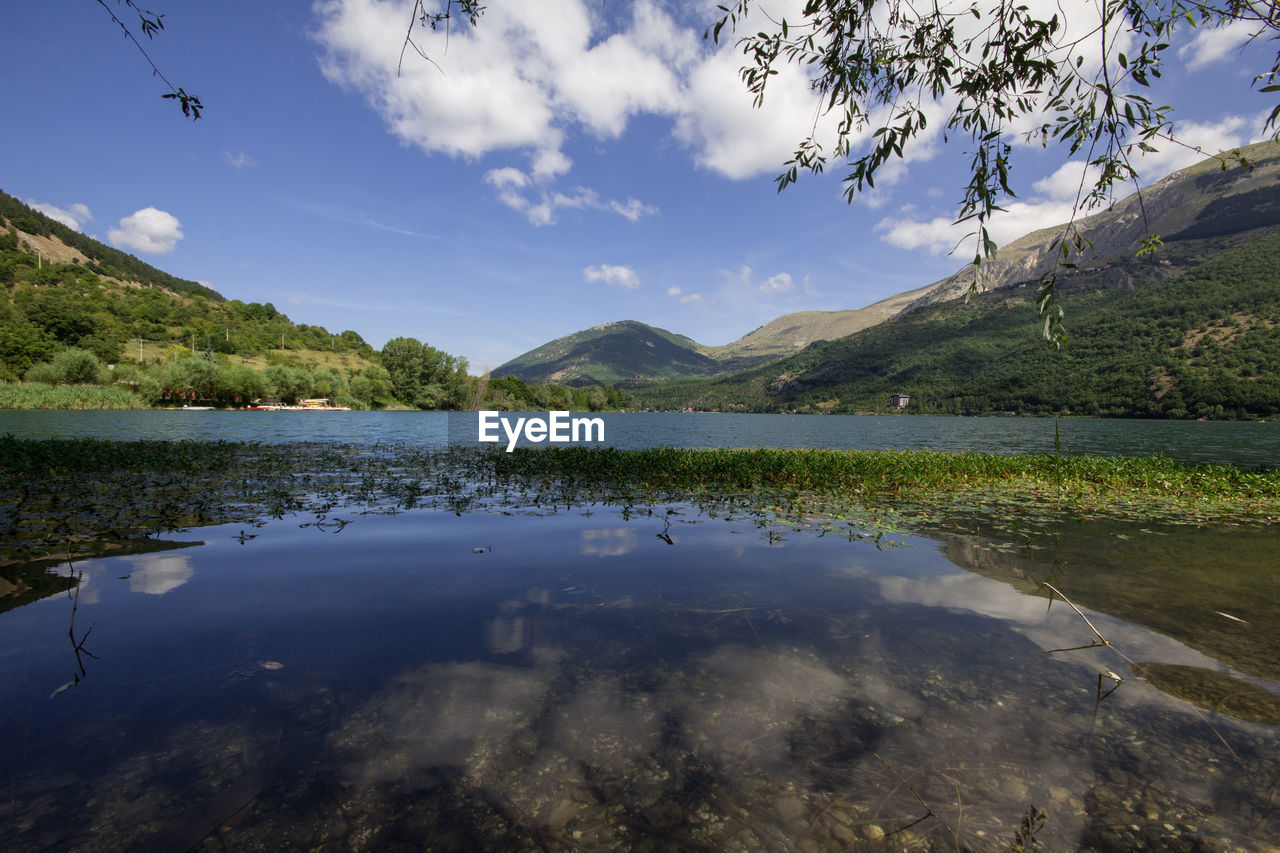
[[1101, 642], [77, 646], [929, 812]]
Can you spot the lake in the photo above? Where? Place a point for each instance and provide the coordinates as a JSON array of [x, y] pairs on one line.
[[534, 675], [1245, 443]]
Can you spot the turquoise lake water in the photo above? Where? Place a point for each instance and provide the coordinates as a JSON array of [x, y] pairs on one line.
[[1240, 443]]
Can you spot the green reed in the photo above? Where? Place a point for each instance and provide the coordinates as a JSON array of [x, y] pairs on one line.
[[1106, 485], [37, 395], [57, 496]]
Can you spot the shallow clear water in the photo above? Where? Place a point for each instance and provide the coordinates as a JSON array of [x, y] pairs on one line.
[[1234, 442], [572, 681]]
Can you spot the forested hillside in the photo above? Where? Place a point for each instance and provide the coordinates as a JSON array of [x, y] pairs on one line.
[[87, 326], [112, 299], [165, 338], [100, 259], [1204, 344]]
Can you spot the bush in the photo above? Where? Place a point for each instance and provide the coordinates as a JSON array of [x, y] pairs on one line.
[[77, 367], [42, 373]]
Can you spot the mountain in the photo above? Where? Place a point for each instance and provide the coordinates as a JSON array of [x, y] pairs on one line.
[[792, 332], [620, 353], [1189, 331], [1198, 212], [629, 353], [1202, 344]]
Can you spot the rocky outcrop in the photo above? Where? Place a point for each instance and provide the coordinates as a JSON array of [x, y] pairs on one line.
[[1165, 208]]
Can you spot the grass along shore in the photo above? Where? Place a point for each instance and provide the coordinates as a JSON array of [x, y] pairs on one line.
[[61, 497], [38, 395]]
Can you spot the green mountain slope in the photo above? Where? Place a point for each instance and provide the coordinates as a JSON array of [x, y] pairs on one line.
[[60, 289], [628, 352], [1205, 343], [615, 353], [1200, 212], [98, 258]]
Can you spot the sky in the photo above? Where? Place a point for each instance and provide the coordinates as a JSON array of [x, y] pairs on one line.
[[566, 164]]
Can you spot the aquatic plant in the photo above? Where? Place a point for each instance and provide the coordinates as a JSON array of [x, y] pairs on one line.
[[93, 494]]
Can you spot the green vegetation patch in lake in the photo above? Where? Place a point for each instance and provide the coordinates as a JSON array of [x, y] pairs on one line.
[[57, 495]]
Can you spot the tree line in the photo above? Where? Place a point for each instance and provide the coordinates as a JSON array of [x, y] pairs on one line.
[[75, 324], [418, 376]]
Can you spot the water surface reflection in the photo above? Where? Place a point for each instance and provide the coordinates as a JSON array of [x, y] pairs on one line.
[[596, 680]]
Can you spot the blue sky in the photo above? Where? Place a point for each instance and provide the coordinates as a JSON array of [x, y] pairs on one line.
[[568, 164]]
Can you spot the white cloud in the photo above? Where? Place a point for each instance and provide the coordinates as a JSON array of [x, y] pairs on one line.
[[774, 284], [531, 73], [549, 163], [633, 209], [239, 160], [729, 134], [780, 283], [148, 230], [480, 100], [1210, 138], [624, 277], [544, 213], [1072, 180], [938, 236], [686, 298], [1056, 194], [1212, 44], [156, 574], [515, 190], [507, 177], [741, 277], [508, 182], [608, 542], [943, 235], [512, 83], [73, 217]]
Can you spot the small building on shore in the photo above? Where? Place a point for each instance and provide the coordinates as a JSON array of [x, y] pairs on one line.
[[899, 401]]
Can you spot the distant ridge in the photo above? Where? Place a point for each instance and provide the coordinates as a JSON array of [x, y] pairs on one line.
[[629, 353], [792, 332], [621, 353]]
